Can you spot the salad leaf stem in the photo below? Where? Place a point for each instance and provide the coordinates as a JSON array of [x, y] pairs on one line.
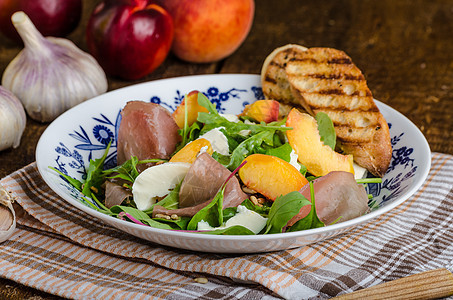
[[74, 182], [369, 180], [123, 214]]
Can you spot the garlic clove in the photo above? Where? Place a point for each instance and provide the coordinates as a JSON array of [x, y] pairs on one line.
[[51, 75], [12, 120], [7, 215]]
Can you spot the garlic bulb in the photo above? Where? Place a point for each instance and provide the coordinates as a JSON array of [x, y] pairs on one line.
[[12, 120], [51, 75], [7, 215]]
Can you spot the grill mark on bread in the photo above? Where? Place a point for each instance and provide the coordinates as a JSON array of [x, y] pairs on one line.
[[270, 80], [333, 61], [340, 61], [336, 76], [339, 92], [308, 59]]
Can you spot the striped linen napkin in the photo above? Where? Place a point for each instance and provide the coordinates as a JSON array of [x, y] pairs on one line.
[[62, 251]]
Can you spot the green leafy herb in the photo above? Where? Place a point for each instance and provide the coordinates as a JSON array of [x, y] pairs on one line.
[[250, 146], [228, 213], [211, 213], [171, 201], [282, 152], [326, 129], [234, 128], [311, 220], [262, 210], [284, 209], [142, 217], [232, 230], [127, 171], [223, 159], [204, 101], [95, 176], [74, 182]]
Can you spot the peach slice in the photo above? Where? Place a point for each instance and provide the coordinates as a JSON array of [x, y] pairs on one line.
[[193, 108], [262, 111], [304, 138], [271, 176], [190, 151]]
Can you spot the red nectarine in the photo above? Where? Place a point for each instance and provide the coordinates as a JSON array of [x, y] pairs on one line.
[[209, 30]]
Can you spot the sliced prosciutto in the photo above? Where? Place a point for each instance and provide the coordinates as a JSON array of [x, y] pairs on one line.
[[202, 181], [147, 130], [115, 194], [337, 194]]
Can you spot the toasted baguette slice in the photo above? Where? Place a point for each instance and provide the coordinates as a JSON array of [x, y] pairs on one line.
[[325, 79], [274, 83]]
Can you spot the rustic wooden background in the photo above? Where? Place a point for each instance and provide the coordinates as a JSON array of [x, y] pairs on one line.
[[404, 48]]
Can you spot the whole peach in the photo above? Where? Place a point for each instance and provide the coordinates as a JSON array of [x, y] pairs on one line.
[[209, 30]]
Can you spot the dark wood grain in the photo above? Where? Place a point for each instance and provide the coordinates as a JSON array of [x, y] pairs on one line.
[[404, 48]]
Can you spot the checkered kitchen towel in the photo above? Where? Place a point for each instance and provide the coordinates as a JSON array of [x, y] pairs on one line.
[[59, 250]]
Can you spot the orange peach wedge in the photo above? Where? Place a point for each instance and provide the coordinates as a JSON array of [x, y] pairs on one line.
[[193, 108], [271, 176], [262, 111], [304, 138], [190, 151]]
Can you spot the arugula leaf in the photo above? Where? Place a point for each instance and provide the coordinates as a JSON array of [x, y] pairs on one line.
[[303, 169], [282, 152], [311, 220], [127, 171], [250, 146], [189, 135], [211, 213], [95, 176], [228, 213], [232, 230], [142, 217], [223, 159], [204, 101], [234, 128], [171, 201], [284, 209], [326, 129], [74, 182], [262, 210], [181, 222]]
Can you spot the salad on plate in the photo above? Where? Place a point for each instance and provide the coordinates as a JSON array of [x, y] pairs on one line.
[[267, 170]]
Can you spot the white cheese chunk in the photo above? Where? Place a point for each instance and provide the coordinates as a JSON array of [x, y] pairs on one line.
[[157, 181], [293, 160], [244, 217], [230, 117], [218, 140], [359, 172]]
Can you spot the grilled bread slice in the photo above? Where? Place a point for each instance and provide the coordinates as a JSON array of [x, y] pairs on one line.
[[326, 79], [274, 83]]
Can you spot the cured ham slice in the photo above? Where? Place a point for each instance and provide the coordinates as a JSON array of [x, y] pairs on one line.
[[201, 184], [115, 194], [337, 194], [147, 130]]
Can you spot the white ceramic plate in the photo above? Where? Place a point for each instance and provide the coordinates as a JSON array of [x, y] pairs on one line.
[[82, 133]]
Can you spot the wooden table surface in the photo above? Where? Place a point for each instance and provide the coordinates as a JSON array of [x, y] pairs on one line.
[[404, 48]]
